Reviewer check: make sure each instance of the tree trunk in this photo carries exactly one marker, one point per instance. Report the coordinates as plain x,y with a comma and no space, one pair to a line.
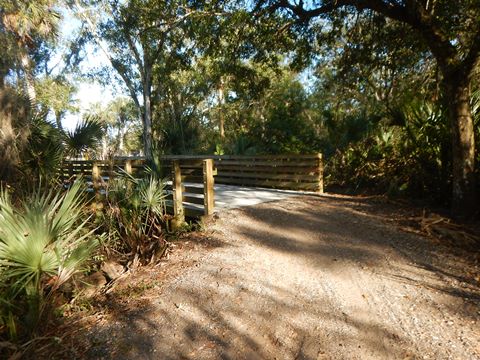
121,140
104,148
221,102
147,115
29,80
58,119
457,90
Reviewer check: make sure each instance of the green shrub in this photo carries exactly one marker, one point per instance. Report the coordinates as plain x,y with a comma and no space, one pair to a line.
133,215
412,159
44,240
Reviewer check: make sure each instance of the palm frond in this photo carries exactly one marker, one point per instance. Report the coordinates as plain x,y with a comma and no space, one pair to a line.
86,135
44,240
44,150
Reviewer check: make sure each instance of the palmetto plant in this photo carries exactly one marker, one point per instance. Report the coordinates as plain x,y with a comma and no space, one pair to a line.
475,103
85,136
413,158
31,146
43,242
135,213
43,153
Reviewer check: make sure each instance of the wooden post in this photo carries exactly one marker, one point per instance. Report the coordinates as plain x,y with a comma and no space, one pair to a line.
320,173
111,166
178,211
97,181
96,178
70,170
128,170
83,170
128,167
208,182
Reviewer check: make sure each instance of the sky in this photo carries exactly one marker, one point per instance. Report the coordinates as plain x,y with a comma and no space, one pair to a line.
88,92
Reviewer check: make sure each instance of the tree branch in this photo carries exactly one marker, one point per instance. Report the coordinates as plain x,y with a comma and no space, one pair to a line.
99,42
473,56
412,13
135,52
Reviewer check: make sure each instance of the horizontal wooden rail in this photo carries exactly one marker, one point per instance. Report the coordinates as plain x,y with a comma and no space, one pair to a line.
292,172
190,191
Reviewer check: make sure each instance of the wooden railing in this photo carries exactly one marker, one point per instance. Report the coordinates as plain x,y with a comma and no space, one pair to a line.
192,188
190,180
291,172
192,177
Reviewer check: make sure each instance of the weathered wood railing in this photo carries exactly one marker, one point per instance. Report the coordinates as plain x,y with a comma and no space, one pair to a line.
192,188
196,174
291,172
190,180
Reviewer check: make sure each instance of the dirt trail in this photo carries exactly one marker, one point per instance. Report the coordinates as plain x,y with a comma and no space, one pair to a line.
306,278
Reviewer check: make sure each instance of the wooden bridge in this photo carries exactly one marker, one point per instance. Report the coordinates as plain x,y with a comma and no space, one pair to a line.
196,184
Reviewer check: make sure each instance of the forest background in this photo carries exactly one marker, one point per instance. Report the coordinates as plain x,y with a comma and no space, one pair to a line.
363,82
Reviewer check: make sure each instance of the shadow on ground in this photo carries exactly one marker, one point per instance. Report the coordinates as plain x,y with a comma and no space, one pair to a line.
356,237
304,278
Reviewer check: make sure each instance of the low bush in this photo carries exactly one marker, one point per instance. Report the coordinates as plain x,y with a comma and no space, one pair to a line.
44,241
134,217
412,159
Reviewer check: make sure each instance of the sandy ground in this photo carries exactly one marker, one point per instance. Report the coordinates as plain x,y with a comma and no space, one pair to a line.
311,277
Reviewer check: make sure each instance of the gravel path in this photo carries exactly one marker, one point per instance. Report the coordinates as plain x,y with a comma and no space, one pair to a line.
307,278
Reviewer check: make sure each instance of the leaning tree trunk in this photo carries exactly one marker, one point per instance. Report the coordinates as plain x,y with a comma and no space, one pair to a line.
457,90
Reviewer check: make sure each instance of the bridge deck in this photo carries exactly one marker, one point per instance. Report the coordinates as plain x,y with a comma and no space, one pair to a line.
229,196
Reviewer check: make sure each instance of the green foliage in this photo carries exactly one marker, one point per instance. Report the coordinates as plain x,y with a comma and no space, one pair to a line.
243,145
133,215
84,137
44,151
24,25
411,160
121,127
33,146
280,119
180,135
44,241
288,127
56,95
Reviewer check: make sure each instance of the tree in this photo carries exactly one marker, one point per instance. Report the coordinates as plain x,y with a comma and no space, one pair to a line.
288,126
121,133
23,26
451,31
139,35
56,95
